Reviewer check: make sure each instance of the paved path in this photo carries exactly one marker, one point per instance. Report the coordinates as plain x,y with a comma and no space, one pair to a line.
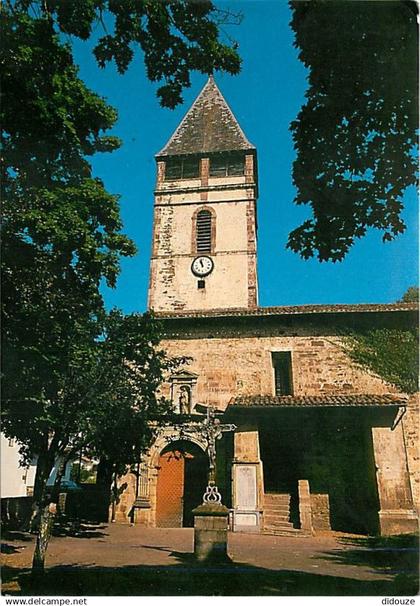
261,564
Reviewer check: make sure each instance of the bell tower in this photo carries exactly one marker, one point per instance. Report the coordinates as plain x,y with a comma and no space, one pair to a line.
204,229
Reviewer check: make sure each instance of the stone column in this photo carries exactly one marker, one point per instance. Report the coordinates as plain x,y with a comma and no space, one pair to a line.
247,485
396,515
305,509
210,532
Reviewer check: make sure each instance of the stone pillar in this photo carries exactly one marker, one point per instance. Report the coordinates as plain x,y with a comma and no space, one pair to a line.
396,515
247,485
411,429
210,532
305,509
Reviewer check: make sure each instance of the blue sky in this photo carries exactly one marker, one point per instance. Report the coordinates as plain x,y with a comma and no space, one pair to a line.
265,98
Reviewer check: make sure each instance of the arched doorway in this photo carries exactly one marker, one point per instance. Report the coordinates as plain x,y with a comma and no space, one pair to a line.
181,482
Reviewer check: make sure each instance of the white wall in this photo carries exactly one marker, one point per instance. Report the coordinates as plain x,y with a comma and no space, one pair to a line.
14,479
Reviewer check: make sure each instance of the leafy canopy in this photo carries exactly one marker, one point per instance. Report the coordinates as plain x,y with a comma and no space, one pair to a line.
74,376
411,295
391,354
61,228
104,400
175,36
61,232
356,135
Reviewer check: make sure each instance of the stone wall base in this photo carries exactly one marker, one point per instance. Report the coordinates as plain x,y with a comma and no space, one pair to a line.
246,521
398,521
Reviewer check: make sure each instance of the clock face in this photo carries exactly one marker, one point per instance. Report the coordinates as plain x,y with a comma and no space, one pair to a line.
202,266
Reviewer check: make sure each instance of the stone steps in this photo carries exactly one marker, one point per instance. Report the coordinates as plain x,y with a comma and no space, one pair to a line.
278,524
295,532
273,496
277,514
268,519
272,510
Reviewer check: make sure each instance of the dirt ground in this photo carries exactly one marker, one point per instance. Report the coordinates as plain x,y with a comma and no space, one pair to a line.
120,559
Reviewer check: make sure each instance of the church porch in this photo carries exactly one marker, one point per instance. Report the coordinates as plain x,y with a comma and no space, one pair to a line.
321,463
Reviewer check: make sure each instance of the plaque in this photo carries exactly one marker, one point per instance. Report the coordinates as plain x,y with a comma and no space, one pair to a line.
245,487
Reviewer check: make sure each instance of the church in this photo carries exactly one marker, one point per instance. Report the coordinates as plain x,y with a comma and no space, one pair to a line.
318,443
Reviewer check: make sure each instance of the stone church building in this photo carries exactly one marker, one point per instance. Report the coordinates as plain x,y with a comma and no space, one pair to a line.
319,444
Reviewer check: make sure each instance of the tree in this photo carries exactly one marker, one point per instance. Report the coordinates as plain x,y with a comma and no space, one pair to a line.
411,295
104,404
355,137
391,354
175,37
61,228
61,232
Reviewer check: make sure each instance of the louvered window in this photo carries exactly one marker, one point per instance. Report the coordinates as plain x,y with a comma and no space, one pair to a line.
282,364
227,165
203,231
182,168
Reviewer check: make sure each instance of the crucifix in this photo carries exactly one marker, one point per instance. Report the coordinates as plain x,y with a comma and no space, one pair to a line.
211,430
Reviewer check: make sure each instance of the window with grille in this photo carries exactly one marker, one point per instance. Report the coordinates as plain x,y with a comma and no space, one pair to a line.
227,165
282,365
182,168
203,231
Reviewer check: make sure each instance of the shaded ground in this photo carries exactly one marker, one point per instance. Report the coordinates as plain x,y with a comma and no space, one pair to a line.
123,560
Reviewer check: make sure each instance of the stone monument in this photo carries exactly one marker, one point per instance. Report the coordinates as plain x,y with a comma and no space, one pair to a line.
211,517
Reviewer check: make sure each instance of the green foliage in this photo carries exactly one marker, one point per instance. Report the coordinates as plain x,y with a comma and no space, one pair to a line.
103,400
81,474
175,37
411,295
355,137
74,376
61,228
391,354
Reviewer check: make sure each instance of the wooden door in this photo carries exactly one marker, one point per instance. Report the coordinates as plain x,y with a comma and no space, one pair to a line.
170,490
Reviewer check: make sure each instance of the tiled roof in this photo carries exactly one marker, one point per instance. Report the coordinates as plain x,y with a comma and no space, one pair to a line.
209,126
315,401
291,310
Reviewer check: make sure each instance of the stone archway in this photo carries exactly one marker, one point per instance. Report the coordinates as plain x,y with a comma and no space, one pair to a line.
181,481
149,473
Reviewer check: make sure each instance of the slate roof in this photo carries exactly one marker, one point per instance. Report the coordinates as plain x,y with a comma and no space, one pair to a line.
290,310
364,400
209,126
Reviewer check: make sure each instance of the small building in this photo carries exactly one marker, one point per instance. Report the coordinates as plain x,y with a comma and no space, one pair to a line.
319,444
16,480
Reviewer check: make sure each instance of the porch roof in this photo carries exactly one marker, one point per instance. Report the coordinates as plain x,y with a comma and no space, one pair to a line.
364,400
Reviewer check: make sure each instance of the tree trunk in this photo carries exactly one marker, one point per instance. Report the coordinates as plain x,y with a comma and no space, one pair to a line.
44,533
104,483
45,505
44,466
114,497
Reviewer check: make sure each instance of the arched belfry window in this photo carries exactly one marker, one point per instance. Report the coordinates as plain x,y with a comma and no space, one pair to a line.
203,231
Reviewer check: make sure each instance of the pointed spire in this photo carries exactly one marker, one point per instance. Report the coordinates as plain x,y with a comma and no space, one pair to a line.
209,126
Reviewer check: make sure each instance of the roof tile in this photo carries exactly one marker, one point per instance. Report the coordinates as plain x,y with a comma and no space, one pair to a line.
340,400
288,310
209,126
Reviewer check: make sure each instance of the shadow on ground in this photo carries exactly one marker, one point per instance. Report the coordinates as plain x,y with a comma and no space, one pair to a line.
82,529
396,555
186,577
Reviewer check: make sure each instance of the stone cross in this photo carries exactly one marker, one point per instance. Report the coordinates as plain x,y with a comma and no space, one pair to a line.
211,430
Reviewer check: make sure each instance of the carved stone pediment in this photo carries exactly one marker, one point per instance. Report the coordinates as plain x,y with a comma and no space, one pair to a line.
183,384
184,375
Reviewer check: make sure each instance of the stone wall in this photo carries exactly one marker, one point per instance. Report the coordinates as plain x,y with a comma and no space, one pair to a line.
228,367
410,423
320,507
